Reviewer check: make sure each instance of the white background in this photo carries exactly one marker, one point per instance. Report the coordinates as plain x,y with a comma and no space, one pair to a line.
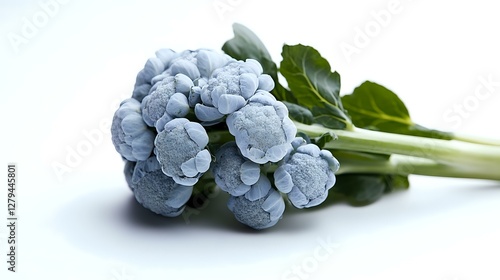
63,79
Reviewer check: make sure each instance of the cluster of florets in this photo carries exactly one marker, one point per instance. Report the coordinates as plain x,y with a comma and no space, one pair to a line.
162,132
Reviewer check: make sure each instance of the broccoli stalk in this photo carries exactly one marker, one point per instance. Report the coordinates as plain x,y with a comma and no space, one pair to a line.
412,154
406,165
475,139
405,154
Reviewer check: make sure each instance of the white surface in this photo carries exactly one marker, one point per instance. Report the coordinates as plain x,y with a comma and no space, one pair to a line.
69,77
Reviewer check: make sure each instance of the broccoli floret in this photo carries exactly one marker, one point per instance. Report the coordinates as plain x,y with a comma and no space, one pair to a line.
262,129
306,174
158,192
208,61
153,67
229,87
168,100
180,149
207,114
130,135
232,172
261,207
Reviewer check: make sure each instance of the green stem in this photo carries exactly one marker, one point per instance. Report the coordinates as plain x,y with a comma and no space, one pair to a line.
408,154
220,136
476,139
442,151
406,165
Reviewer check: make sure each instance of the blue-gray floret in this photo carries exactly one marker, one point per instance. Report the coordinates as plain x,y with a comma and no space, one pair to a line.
168,100
131,137
234,173
306,174
261,207
262,128
208,61
229,87
158,192
153,67
180,149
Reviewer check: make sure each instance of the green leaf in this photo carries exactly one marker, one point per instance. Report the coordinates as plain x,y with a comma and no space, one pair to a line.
280,92
246,44
323,139
364,189
304,136
330,116
375,107
396,182
313,84
360,189
299,113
